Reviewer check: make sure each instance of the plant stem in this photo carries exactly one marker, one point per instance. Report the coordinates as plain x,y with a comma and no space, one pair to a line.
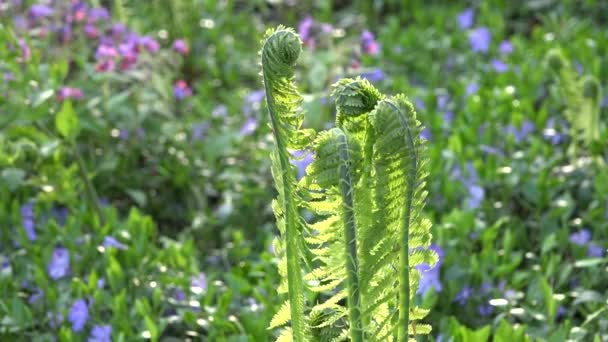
404,266
350,237
294,275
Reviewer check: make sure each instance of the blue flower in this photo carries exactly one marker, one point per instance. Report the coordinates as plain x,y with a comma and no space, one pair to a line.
78,315
551,134
426,134
472,88
465,18
480,39
109,241
465,293
429,277
101,333
199,283
485,310
59,265
27,220
499,66
250,126
301,160
581,237
505,47
375,75
40,11
199,130
520,134
595,251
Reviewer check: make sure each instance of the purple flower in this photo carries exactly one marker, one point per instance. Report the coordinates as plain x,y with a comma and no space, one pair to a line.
485,310
480,39
105,66
27,220
69,93
465,18
109,241
465,293
551,134
472,88
54,319
305,30
430,276
78,315
255,97
101,333
520,134
505,47
118,29
181,89
199,130
149,44
490,150
448,116
595,251
476,192
180,46
419,104
368,43
98,13
442,101
91,31
301,160
40,11
375,75
219,111
199,283
36,295
426,134
581,237
250,126
101,282
499,66
79,11
59,265
105,51
26,54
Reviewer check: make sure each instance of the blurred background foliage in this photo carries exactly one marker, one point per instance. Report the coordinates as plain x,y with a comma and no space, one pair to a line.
134,169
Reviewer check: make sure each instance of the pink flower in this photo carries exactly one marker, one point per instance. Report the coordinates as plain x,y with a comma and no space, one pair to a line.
25,50
105,65
180,46
69,93
149,44
91,31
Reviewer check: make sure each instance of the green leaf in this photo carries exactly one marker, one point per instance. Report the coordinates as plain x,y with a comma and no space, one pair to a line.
66,121
13,178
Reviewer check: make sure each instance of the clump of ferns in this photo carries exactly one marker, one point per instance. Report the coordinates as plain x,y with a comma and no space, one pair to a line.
349,273
581,97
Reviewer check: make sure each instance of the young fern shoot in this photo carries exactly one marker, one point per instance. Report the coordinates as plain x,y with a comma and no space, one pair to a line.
281,49
365,190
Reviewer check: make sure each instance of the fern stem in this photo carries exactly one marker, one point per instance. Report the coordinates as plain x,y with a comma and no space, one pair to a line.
350,237
294,276
404,267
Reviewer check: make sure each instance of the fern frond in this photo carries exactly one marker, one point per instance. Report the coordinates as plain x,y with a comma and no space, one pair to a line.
581,98
280,51
399,236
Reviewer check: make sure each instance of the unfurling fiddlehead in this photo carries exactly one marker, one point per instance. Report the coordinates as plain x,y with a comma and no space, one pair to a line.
279,53
365,190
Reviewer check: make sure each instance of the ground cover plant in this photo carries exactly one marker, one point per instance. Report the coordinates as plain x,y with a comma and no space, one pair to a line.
135,172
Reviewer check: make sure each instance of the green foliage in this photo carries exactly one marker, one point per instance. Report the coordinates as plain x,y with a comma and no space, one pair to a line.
365,189
581,96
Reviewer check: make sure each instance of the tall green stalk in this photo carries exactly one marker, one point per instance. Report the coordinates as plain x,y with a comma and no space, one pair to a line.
350,237
404,265
279,53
